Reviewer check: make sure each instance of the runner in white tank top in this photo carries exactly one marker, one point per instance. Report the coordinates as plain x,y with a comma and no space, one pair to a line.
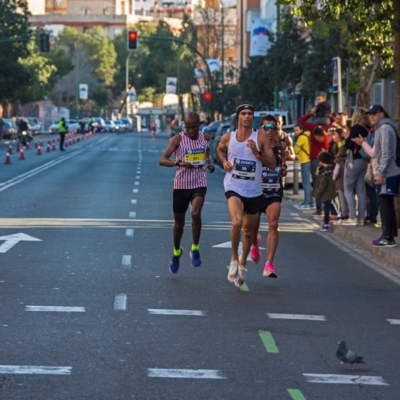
242,154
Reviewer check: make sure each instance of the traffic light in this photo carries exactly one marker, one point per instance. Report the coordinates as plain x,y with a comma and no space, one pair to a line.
44,42
132,40
207,96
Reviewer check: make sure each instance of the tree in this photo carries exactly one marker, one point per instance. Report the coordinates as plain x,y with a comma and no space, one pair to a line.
14,24
370,28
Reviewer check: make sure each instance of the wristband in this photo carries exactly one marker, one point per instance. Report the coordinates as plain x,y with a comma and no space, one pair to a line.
284,165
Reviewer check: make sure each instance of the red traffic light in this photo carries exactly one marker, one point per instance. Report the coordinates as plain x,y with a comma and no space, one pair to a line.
207,96
132,40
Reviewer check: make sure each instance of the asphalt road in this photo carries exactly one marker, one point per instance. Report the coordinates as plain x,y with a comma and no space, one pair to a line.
89,309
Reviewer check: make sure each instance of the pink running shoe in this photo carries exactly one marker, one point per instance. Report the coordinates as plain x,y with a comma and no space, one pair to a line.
255,253
269,270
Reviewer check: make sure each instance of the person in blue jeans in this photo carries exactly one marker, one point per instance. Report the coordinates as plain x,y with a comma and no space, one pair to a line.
302,151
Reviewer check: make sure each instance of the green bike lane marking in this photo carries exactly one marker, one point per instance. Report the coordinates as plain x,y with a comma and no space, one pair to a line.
296,394
268,341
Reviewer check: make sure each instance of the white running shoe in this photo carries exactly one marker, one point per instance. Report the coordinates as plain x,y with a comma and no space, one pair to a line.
233,270
239,280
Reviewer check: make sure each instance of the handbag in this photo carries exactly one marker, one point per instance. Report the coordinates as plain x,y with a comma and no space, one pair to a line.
369,176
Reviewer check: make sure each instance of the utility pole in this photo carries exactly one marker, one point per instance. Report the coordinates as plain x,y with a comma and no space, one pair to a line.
276,89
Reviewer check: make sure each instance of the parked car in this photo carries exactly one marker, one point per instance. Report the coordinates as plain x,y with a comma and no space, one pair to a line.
72,126
119,126
9,130
34,124
127,124
100,124
110,126
212,128
222,129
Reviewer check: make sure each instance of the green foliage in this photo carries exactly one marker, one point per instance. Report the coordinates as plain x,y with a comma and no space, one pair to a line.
256,85
14,24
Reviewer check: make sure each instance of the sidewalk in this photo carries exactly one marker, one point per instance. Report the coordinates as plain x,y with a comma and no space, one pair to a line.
360,236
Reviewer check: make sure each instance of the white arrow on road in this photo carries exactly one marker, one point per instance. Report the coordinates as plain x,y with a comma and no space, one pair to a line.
12,240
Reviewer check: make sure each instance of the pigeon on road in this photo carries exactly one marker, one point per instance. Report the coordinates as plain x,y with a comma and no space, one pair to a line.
347,356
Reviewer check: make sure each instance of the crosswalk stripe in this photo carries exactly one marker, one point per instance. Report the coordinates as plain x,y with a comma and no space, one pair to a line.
346,379
297,317
34,369
176,312
185,373
126,261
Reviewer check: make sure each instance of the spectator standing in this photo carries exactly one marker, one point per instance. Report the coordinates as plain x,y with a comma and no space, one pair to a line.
387,173
355,169
284,137
324,188
302,151
318,143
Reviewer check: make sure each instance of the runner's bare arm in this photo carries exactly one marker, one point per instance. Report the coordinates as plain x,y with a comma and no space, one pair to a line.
210,167
222,151
284,166
173,144
267,155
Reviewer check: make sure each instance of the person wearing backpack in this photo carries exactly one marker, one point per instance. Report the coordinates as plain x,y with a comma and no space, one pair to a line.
387,172
302,151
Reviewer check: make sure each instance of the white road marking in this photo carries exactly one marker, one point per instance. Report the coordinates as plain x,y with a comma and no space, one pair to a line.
346,379
176,312
120,302
298,317
133,201
294,214
129,232
185,373
55,309
34,369
12,240
136,183
135,190
394,321
132,214
126,261
137,177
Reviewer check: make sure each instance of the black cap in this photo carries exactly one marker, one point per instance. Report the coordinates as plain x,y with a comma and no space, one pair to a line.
244,106
375,109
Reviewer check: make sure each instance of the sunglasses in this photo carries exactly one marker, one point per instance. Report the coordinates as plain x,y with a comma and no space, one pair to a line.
270,126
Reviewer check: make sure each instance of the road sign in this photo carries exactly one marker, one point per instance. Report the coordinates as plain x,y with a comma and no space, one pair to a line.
83,91
132,96
337,75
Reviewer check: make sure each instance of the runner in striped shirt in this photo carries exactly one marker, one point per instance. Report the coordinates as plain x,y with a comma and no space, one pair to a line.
190,150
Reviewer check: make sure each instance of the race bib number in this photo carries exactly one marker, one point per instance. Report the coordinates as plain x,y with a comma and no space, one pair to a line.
270,179
196,157
244,169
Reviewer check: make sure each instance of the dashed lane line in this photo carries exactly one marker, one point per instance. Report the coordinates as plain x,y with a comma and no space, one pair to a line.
129,232
34,370
394,321
197,313
126,261
346,379
120,302
54,309
185,373
297,317
132,214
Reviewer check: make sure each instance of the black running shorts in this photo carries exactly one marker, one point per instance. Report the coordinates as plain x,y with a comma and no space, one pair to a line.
181,198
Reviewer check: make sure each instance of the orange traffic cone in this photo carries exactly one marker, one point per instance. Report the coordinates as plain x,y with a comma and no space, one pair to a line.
8,158
21,154
27,146
53,148
48,149
17,148
10,150
39,151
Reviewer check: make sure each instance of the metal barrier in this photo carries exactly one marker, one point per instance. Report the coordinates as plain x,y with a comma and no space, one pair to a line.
296,169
